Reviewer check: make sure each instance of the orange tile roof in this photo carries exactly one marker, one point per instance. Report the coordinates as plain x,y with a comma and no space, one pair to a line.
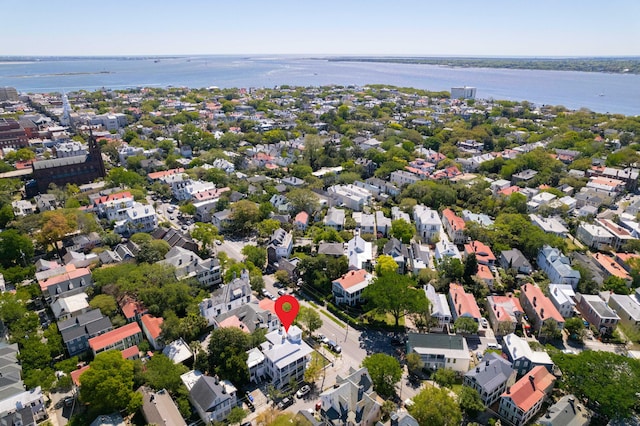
510,190
484,273
626,257
233,321
152,324
110,337
74,273
268,305
457,223
131,352
130,307
504,307
112,197
464,303
483,252
542,302
75,375
530,389
302,217
352,278
611,266
158,175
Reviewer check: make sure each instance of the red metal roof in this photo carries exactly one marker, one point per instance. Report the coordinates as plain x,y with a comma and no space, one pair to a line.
531,388
464,303
531,291
152,324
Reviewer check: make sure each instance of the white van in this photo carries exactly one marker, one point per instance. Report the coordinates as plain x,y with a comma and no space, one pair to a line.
493,346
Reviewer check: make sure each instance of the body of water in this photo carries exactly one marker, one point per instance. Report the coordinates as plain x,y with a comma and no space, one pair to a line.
612,93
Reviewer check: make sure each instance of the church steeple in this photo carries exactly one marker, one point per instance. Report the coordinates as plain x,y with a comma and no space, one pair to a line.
95,153
65,119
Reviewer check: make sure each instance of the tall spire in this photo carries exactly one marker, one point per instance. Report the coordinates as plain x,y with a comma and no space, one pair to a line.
65,119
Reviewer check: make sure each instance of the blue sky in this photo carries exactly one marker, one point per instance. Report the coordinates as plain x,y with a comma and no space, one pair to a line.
372,27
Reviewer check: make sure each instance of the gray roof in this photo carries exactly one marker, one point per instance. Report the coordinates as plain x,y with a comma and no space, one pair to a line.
491,372
250,314
566,412
432,340
205,392
331,249
59,162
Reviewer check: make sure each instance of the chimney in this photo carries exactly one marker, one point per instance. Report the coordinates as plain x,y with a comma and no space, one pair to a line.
535,301
477,369
487,363
542,313
572,403
508,390
532,380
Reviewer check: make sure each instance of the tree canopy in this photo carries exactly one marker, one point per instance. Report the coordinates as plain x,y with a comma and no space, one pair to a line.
385,372
108,385
435,407
395,294
609,380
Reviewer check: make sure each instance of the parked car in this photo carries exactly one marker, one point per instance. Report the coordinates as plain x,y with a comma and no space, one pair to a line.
484,323
282,292
334,346
322,338
303,391
287,402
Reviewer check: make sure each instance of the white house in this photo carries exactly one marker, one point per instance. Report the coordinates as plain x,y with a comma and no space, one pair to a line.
226,298
428,224
365,222
334,218
563,298
212,398
286,356
138,218
594,236
440,350
350,196
439,307
348,288
359,252
557,266
352,397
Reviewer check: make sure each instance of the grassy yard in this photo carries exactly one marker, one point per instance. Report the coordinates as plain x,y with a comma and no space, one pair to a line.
388,319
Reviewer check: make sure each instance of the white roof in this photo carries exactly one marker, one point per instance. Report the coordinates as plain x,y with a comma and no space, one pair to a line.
177,351
562,293
517,347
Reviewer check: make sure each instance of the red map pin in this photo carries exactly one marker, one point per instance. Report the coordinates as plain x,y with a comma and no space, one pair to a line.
287,308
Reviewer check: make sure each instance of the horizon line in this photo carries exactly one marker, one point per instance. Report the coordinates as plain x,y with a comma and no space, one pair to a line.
328,55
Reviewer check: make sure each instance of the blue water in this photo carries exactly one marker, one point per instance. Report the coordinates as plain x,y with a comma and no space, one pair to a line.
613,93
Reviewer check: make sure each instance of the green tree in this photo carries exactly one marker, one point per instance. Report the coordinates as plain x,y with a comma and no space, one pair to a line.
188,209
396,295
385,265
310,319
302,199
385,372
435,407
266,227
575,328
56,225
106,303
465,325
414,362
615,284
15,248
609,380
445,377
470,401
244,216
161,373
255,255
451,268
206,233
152,251
108,385
315,367
228,356
119,176
550,330
6,215
403,230
470,267
236,415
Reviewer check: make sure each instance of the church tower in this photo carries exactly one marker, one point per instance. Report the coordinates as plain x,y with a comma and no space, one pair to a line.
65,119
95,155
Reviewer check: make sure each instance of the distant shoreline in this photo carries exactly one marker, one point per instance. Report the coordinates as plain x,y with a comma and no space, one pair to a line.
598,65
